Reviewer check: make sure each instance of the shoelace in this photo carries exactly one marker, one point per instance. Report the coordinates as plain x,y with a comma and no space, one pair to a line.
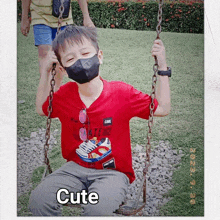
87,146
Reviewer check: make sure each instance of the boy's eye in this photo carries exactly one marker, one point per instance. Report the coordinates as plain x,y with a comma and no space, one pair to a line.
70,59
84,54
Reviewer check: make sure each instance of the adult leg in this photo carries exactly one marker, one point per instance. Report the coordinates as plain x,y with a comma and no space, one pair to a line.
111,187
43,37
43,199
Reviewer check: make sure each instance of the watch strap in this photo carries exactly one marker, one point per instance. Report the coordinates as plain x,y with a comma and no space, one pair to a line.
165,72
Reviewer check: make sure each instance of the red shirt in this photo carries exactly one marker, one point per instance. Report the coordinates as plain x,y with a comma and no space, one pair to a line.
108,124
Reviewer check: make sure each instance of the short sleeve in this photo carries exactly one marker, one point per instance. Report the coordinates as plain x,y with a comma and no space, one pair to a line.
58,100
140,104
55,106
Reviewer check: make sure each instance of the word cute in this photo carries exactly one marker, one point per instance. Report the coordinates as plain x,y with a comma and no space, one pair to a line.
79,198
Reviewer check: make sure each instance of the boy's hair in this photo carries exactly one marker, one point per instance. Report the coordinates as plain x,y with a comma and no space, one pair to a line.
73,34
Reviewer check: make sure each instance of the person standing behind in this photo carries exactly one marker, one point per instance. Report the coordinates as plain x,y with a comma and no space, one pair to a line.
45,25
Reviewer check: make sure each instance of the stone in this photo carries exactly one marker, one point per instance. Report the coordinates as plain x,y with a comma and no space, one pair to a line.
33,134
138,148
21,101
135,159
142,156
174,152
168,155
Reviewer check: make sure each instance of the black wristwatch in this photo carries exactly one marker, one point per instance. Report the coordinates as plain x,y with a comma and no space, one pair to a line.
165,73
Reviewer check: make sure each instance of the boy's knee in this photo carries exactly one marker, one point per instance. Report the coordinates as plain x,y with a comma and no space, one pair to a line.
41,204
37,199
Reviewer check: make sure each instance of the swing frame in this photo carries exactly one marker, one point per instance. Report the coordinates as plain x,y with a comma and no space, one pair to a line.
130,207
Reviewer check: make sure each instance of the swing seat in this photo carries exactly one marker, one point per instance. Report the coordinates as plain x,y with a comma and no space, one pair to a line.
128,208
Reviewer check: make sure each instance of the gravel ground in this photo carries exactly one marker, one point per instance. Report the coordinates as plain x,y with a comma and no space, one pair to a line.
163,161
30,155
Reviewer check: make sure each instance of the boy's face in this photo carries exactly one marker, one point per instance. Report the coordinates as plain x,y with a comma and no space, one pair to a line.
73,52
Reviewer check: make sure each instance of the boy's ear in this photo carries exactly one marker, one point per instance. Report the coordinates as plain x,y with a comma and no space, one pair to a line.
100,56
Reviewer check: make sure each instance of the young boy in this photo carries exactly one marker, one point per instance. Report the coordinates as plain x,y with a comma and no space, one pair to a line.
94,114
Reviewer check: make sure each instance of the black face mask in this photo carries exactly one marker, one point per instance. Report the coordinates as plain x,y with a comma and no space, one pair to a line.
84,70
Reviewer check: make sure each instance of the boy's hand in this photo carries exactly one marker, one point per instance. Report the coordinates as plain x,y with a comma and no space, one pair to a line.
158,50
60,71
51,58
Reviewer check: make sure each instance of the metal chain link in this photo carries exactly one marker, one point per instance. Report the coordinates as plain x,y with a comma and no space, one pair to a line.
50,108
159,19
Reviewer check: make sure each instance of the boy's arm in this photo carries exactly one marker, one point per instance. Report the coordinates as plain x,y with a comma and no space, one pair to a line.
44,86
162,87
25,22
86,18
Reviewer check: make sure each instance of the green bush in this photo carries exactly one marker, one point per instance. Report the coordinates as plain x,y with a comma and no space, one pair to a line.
183,18
177,17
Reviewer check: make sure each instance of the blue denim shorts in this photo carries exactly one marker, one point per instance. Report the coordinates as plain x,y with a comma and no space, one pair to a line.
44,34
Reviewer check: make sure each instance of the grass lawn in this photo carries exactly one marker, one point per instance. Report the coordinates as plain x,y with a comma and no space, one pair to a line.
127,57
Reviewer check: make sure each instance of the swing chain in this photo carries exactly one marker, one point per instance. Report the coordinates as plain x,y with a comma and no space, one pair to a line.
152,105
159,19
50,108
60,18
154,80
135,208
